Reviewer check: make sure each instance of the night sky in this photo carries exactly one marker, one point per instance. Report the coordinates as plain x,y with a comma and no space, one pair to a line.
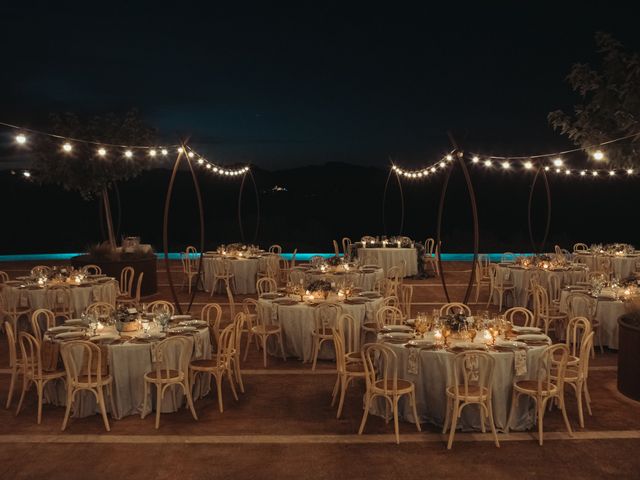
282,87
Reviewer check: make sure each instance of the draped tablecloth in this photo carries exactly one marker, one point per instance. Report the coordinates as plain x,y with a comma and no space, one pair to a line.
390,257
622,266
607,313
82,296
359,278
298,321
128,362
435,373
520,277
245,271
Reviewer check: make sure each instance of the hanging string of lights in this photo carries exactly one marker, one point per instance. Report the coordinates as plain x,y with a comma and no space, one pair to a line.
104,149
429,170
550,162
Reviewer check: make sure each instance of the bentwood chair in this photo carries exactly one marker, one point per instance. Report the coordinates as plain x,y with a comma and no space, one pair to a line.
381,376
548,385
190,260
92,270
453,308
135,299
100,310
40,270
482,274
240,326
336,248
578,328
500,286
277,249
250,310
472,385
219,366
263,330
169,374
520,316
161,306
223,274
11,309
266,285
406,296
430,259
126,282
42,318
4,277
543,311
58,298
33,371
16,363
212,314
581,304
327,314
347,370
86,371
388,314
346,247
296,277
580,247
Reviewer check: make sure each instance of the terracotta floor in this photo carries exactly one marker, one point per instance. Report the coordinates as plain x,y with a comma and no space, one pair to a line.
284,427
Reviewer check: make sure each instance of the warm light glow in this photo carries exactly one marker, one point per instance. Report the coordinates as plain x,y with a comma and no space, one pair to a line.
594,173
630,171
67,147
442,164
557,162
215,169
128,153
475,159
528,165
505,165
102,152
598,155
433,169
21,139
191,154
567,172
583,172
208,165
449,158
558,170
201,161
26,173
164,151
487,163
612,173
152,153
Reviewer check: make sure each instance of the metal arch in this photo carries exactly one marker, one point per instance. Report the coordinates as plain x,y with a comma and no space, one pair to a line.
165,227
255,189
540,248
102,215
476,230
384,202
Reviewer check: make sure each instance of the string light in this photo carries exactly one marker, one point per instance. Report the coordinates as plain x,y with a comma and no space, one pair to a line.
567,172
21,139
152,153
201,161
630,171
583,173
505,165
67,147
102,152
612,173
449,157
26,174
128,154
528,165
475,159
547,168
557,162
164,152
598,155
190,154
594,173
487,163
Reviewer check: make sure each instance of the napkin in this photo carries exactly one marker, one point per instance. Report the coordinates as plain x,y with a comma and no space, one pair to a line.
520,362
413,362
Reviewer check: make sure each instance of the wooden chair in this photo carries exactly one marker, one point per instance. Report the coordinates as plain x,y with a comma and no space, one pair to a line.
134,300
347,369
385,383
190,260
250,310
430,259
327,314
336,248
239,327
41,317
578,328
12,311
277,249
346,247
453,308
472,385
33,371
223,274
543,312
83,364
212,314
296,277
393,281
263,330
406,295
16,363
580,247
161,306
92,269
58,298
168,375
219,366
4,277
508,257
515,313
555,290
500,286
482,274
581,304
100,310
388,315
266,285
546,387
270,268
126,282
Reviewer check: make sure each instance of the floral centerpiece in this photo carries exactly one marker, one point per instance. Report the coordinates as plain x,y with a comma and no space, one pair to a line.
456,322
334,261
320,287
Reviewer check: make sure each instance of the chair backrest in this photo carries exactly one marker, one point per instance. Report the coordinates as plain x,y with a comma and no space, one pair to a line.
173,353
580,247
603,264
31,356
270,266
126,280
226,346
472,370
266,285
389,315
534,280
221,267
577,330
597,275
380,366
293,258
497,277
4,277
297,277
100,309
40,270
11,343
520,316
161,306
336,248
558,252
346,246
82,362
92,269
581,305
250,306
212,314
391,301
555,286
189,260
585,355
453,308
406,295
556,356
137,294
429,244
326,317
540,303
58,298
339,345
508,257
277,249
42,318
239,321
349,329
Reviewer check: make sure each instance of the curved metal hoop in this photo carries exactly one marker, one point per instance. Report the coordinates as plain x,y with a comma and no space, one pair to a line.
165,228
539,248
476,230
102,218
255,190
384,202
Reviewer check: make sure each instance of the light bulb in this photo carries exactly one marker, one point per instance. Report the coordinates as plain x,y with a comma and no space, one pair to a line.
557,162
164,151
442,164
433,169
26,173
583,173
630,171
598,155
567,172
547,168
594,173
102,152
449,158
152,153
128,153
191,154
612,173
208,165
475,159
487,163
528,165
505,165
21,139
67,147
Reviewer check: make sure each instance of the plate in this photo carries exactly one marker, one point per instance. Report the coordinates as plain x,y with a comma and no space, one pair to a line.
397,328
421,343
13,283
370,294
398,335
540,337
182,329
285,301
193,323
523,330
75,322
356,300
271,295
68,335
63,328
180,318
105,337
510,344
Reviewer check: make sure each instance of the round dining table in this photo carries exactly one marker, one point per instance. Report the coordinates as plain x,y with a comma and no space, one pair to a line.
431,371
622,266
128,360
387,257
297,320
364,278
245,271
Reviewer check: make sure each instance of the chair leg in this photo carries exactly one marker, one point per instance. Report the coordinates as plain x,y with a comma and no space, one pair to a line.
284,356
103,409
514,403
264,350
396,426
40,391
189,395
219,387
412,397
314,353
578,390
541,404
112,401
143,413
238,373
564,415
587,397
492,423
25,387
336,388
14,375
447,417
67,411
246,348
343,393
454,422
232,384
367,404
158,404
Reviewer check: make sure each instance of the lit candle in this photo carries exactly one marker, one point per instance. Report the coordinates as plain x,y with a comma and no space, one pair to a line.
437,336
486,336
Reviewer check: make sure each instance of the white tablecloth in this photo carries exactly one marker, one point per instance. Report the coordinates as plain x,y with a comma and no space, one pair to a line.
435,373
298,322
390,257
365,280
622,266
81,296
245,271
128,363
520,278
607,313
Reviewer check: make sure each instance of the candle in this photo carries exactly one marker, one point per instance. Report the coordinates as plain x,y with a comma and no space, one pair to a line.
437,336
486,336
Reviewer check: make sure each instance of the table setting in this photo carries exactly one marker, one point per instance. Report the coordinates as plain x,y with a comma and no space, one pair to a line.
338,271
623,258
426,346
33,291
388,252
127,339
246,262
